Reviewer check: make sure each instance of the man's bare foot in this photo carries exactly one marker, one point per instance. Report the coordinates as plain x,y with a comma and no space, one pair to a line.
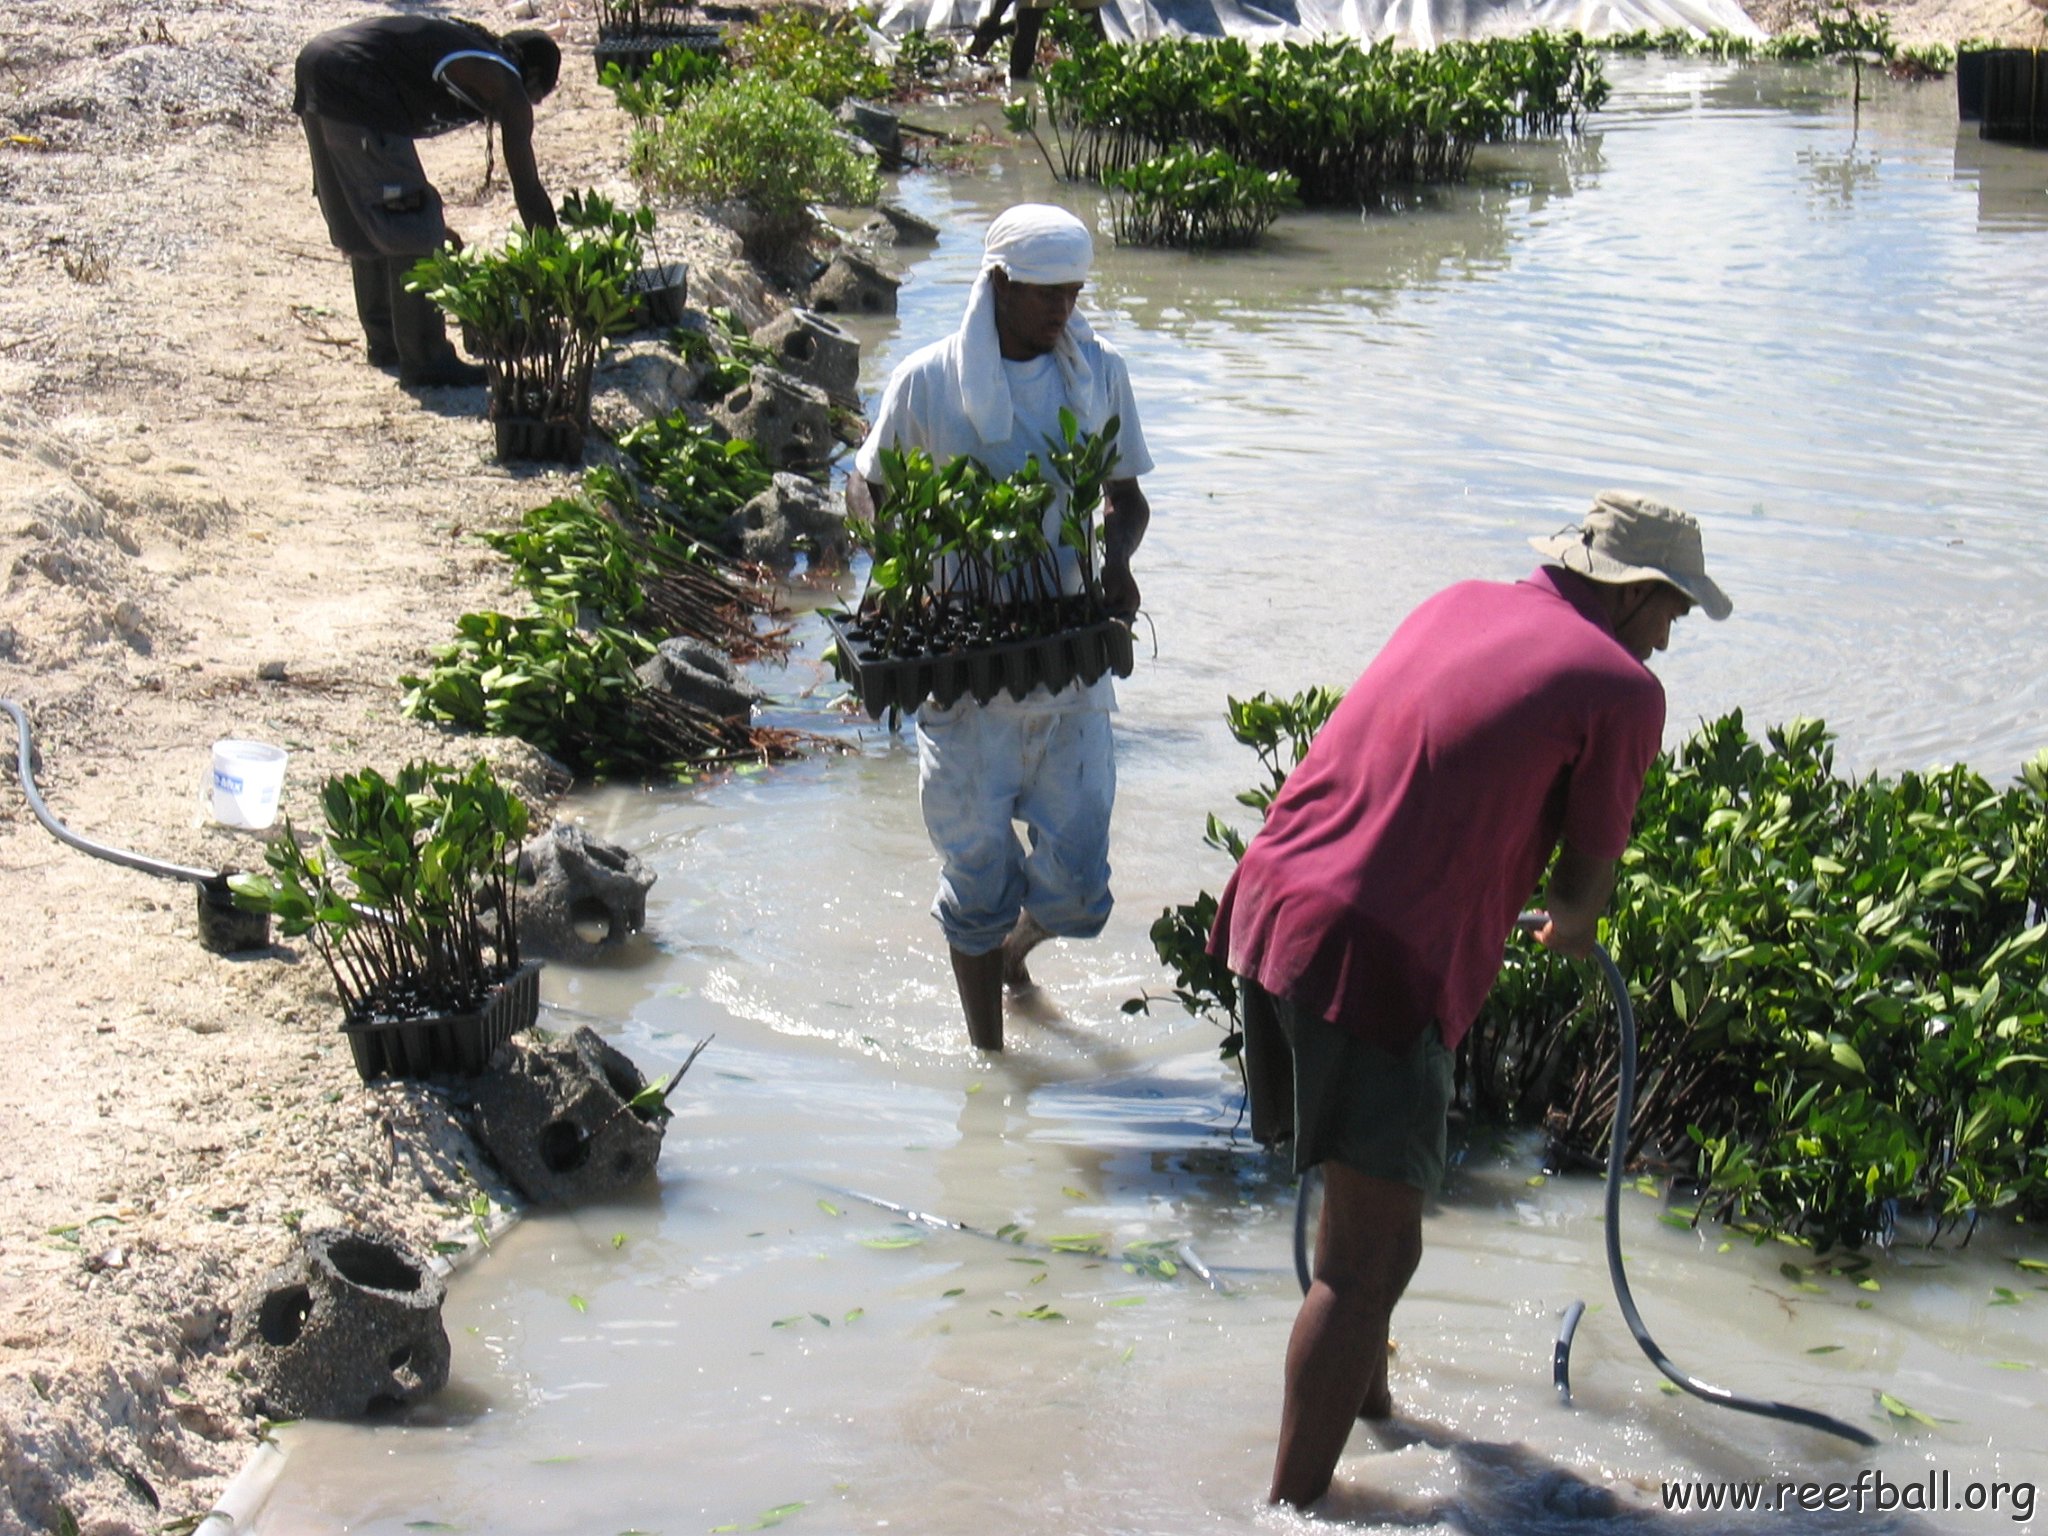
1024,938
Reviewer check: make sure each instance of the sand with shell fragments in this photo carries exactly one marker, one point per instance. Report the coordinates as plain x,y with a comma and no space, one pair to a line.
215,521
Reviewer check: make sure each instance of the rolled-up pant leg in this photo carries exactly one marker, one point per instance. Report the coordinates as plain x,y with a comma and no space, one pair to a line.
970,775
980,771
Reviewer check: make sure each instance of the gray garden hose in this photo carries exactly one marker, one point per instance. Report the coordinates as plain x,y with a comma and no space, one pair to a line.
1617,1143
222,926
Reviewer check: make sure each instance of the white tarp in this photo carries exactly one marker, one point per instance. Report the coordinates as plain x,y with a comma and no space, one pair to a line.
1415,23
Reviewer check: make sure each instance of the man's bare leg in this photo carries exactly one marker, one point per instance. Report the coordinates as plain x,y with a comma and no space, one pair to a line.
1023,939
1367,1247
980,979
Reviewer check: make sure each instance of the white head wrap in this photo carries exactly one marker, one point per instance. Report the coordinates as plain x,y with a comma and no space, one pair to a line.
1032,243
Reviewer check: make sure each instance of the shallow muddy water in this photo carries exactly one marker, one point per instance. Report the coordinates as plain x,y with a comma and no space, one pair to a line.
1821,336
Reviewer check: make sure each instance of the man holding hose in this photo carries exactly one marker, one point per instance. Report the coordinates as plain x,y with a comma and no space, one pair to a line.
1367,920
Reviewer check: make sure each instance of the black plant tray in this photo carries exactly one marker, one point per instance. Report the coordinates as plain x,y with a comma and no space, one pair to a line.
1071,656
452,1045
530,438
634,51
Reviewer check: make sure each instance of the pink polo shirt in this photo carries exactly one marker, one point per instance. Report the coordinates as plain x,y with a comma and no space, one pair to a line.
1383,887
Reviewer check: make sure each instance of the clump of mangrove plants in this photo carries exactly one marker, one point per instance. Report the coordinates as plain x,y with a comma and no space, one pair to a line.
1841,985
692,478
1844,32
822,54
541,308
610,579
1193,201
413,902
760,143
1344,119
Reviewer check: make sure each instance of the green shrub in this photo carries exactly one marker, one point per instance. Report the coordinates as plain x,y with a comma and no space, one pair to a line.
671,78
922,60
758,142
825,57
1197,201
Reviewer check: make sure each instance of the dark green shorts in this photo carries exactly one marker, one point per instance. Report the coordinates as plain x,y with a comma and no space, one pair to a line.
1335,1097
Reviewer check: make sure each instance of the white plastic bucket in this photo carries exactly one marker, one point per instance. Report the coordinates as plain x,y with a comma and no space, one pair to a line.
247,777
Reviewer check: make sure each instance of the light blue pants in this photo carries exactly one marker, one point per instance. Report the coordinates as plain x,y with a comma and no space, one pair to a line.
981,770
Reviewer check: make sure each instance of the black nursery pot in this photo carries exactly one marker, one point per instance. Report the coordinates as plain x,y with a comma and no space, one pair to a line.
1071,656
660,295
450,1045
634,51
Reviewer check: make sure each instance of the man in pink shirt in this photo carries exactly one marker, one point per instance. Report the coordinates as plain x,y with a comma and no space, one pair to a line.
1368,917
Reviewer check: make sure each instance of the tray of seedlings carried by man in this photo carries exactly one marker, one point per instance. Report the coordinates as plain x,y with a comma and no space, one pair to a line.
967,595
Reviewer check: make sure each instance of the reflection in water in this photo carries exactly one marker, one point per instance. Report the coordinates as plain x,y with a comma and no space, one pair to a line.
1713,298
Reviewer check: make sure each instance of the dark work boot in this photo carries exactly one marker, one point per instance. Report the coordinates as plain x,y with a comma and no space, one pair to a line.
424,357
373,308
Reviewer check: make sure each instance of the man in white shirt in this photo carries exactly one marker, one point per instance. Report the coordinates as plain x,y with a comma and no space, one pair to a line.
993,390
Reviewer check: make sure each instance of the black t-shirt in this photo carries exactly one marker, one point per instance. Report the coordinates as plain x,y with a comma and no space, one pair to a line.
383,74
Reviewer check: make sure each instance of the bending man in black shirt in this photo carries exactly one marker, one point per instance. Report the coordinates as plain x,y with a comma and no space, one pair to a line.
365,92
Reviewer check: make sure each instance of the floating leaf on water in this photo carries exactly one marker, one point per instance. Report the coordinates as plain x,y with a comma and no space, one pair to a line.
855,1315
762,1521
784,1322
1824,1349
1868,1284
1081,1242
958,1290
1128,1301
1019,1259
904,1240
1792,1272
976,1087
1724,1247
1125,1357
1865,1305
1899,1410
2011,1365
1667,1389
578,1302
1072,1193
828,1207
2039,1266
2002,1297
1536,1180
1012,1231
556,1461
618,1239
823,1320
1043,1313
1038,1279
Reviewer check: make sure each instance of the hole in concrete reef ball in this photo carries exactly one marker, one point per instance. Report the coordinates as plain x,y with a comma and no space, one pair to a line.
563,1146
282,1317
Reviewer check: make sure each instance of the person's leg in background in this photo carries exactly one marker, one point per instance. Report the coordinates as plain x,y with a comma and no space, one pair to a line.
384,215
969,762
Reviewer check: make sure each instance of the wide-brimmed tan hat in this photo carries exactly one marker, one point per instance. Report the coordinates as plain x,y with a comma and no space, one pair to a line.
1627,538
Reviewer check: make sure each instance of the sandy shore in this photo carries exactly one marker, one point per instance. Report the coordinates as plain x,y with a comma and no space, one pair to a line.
216,521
